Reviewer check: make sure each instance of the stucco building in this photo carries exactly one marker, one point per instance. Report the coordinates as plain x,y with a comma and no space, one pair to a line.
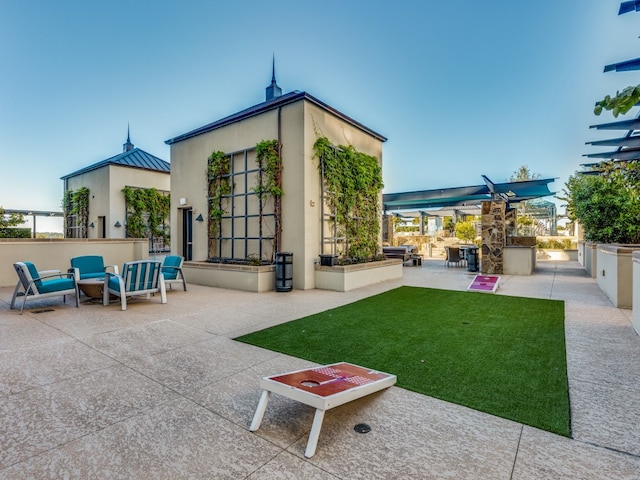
295,120
106,213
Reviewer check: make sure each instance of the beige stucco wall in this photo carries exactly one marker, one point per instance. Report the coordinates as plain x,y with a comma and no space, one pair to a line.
55,254
105,194
301,124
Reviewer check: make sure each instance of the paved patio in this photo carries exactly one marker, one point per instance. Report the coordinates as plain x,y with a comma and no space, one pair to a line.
162,391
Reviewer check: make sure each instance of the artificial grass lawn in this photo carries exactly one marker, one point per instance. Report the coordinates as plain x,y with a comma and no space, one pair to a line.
497,354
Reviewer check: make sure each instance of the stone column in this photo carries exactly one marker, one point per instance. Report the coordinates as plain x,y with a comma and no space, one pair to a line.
493,236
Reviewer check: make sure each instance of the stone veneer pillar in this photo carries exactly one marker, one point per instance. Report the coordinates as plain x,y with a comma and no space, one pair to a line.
493,236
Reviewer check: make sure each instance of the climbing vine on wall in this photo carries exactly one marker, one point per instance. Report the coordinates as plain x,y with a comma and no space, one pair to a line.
147,213
76,212
352,184
218,170
270,183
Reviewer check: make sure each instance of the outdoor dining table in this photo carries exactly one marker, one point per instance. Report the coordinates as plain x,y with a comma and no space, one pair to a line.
323,388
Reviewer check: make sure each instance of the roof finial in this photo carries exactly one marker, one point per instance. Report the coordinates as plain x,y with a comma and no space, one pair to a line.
273,90
127,146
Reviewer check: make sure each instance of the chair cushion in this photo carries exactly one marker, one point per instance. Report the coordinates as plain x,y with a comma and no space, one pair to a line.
88,264
56,285
171,261
33,271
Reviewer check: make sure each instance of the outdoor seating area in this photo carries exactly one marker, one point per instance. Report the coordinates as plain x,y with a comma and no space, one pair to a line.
165,392
88,275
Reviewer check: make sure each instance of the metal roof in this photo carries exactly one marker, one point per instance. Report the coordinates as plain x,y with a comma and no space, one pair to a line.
513,192
280,101
134,158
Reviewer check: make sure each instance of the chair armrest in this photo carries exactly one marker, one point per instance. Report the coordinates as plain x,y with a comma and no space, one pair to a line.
75,271
53,273
48,272
114,267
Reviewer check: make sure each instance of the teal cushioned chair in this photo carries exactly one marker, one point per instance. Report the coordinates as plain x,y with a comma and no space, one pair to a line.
142,277
90,266
34,285
172,270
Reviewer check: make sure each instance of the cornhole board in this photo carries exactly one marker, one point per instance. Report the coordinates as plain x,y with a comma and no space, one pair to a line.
322,388
484,283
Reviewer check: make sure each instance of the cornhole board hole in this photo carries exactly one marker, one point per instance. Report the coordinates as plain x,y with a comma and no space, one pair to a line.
322,388
484,283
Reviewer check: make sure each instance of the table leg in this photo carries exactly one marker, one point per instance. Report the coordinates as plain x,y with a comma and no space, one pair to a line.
262,406
312,443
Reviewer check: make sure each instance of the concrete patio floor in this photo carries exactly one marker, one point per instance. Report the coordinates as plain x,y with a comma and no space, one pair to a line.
162,391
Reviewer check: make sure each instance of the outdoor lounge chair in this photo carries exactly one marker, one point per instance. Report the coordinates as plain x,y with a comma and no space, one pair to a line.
34,285
90,266
142,277
172,271
453,256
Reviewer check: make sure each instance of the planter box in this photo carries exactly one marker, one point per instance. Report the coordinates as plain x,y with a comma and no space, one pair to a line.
236,277
349,277
519,260
635,318
615,273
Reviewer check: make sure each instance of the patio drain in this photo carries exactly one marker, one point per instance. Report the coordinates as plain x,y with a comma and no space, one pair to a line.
44,311
362,428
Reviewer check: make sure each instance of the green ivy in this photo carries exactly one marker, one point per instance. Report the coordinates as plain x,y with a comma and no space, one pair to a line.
353,181
621,103
218,170
76,203
151,203
270,183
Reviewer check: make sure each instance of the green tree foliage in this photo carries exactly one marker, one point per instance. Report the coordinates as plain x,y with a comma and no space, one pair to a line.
523,174
621,103
10,220
607,204
466,231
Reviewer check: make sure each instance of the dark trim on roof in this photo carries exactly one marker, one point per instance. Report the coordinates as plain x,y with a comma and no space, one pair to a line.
263,107
617,142
624,154
134,158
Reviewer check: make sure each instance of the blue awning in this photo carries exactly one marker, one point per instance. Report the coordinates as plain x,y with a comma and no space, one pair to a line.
630,6
633,124
624,154
625,66
617,142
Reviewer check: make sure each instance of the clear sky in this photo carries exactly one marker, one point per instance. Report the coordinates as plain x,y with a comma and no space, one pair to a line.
460,88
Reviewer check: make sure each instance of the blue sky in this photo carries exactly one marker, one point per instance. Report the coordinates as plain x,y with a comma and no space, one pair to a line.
460,88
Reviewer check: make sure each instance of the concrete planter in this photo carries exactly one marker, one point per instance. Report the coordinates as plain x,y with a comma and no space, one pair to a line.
236,277
342,278
519,260
615,273
635,319
591,258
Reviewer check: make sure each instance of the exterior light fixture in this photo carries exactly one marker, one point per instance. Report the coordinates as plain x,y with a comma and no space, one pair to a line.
91,225
199,218
117,224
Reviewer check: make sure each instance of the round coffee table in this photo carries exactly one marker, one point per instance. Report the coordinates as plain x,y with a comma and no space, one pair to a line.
92,287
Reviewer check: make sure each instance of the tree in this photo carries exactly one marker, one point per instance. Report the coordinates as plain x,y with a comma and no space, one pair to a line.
10,220
523,174
607,204
466,231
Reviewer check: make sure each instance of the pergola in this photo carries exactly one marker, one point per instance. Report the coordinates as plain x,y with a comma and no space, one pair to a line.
34,214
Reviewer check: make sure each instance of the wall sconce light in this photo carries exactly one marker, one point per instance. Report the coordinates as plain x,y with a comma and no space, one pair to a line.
183,201
199,218
117,224
91,225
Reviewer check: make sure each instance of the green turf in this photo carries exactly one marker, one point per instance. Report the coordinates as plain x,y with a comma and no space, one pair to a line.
497,354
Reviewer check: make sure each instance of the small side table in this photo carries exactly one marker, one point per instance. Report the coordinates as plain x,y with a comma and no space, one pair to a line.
417,260
92,287
322,388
